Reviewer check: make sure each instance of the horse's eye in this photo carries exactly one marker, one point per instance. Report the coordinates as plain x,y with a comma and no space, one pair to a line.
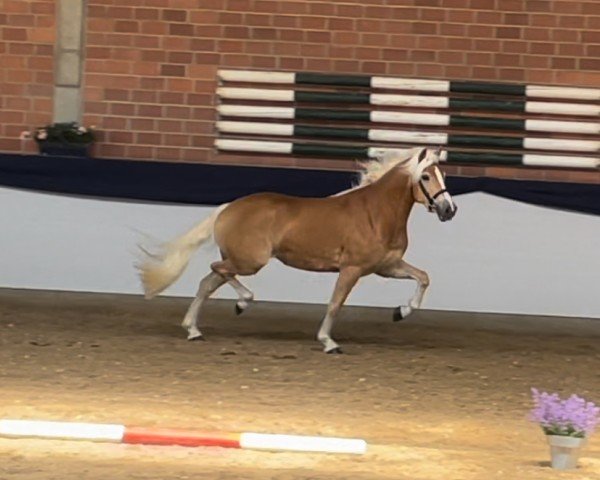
425,177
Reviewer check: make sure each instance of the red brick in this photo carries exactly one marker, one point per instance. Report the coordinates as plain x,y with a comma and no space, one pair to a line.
260,47
516,19
340,24
592,64
320,64
171,15
263,33
207,58
292,7
252,19
421,27
561,35
432,14
236,32
322,8
480,31
144,96
180,57
542,48
508,32
146,13
591,37
21,48
42,7
291,63
181,29
14,34
450,57
180,85
201,44
119,12
535,61
152,111
539,5
229,18
263,62
571,49
453,29
292,35
285,21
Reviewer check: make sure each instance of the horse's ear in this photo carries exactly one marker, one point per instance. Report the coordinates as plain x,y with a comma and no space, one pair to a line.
422,154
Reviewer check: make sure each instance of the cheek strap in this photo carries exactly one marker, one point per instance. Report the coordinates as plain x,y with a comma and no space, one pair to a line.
430,199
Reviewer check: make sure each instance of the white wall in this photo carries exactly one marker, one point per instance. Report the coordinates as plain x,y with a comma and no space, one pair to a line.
495,256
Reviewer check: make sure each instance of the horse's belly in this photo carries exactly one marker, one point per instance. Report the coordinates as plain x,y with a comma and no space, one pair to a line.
308,263
306,256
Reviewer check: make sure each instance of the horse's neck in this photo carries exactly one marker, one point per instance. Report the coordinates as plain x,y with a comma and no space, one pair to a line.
390,201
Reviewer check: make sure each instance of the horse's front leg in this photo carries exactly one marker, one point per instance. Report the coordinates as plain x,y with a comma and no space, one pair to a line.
345,282
402,269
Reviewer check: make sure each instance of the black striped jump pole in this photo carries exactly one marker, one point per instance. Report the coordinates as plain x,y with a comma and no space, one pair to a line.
418,101
407,136
362,153
395,83
409,118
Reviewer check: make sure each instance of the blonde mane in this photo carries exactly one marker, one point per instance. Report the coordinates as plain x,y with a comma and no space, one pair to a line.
374,169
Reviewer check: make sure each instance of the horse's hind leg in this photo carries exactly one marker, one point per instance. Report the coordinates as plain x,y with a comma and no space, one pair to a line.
208,285
245,295
228,270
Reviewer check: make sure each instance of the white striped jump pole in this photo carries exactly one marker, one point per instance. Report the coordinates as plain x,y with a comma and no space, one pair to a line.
188,438
418,84
408,118
406,136
418,101
360,153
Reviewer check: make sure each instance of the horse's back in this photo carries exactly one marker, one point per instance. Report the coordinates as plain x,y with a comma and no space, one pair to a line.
270,215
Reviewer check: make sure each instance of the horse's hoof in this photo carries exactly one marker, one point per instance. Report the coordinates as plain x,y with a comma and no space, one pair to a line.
400,313
334,351
196,338
238,310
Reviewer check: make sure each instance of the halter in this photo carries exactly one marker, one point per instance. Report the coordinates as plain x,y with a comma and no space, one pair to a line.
430,199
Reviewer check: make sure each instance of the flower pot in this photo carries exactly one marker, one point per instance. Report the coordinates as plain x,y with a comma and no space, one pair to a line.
65,149
564,451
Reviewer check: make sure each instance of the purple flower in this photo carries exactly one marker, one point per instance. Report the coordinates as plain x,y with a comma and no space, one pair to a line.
573,417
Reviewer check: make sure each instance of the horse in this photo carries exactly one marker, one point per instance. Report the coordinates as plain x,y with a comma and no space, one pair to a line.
358,232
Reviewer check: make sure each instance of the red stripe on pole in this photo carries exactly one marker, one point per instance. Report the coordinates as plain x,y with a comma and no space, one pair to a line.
186,438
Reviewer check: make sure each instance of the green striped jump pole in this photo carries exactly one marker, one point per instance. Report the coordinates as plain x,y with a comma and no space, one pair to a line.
361,153
408,118
395,83
407,136
418,101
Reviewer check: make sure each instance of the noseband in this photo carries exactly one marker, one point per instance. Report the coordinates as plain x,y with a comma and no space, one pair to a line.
430,199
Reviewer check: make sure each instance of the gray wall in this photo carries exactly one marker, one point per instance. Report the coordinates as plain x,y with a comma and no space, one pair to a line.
495,256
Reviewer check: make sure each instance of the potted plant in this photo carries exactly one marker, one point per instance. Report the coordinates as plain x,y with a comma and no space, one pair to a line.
567,423
68,139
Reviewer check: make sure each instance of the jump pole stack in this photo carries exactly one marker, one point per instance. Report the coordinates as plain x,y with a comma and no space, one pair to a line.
115,433
520,109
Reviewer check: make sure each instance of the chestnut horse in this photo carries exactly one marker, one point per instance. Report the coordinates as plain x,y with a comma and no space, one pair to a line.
356,233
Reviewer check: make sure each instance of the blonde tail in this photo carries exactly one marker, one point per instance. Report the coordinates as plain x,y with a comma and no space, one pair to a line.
159,270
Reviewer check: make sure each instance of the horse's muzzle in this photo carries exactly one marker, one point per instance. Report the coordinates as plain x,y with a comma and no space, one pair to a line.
446,211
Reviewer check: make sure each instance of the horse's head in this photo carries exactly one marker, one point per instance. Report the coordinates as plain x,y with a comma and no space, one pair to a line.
428,184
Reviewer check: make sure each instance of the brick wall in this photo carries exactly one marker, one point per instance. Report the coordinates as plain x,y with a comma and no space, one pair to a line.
151,64
27,35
